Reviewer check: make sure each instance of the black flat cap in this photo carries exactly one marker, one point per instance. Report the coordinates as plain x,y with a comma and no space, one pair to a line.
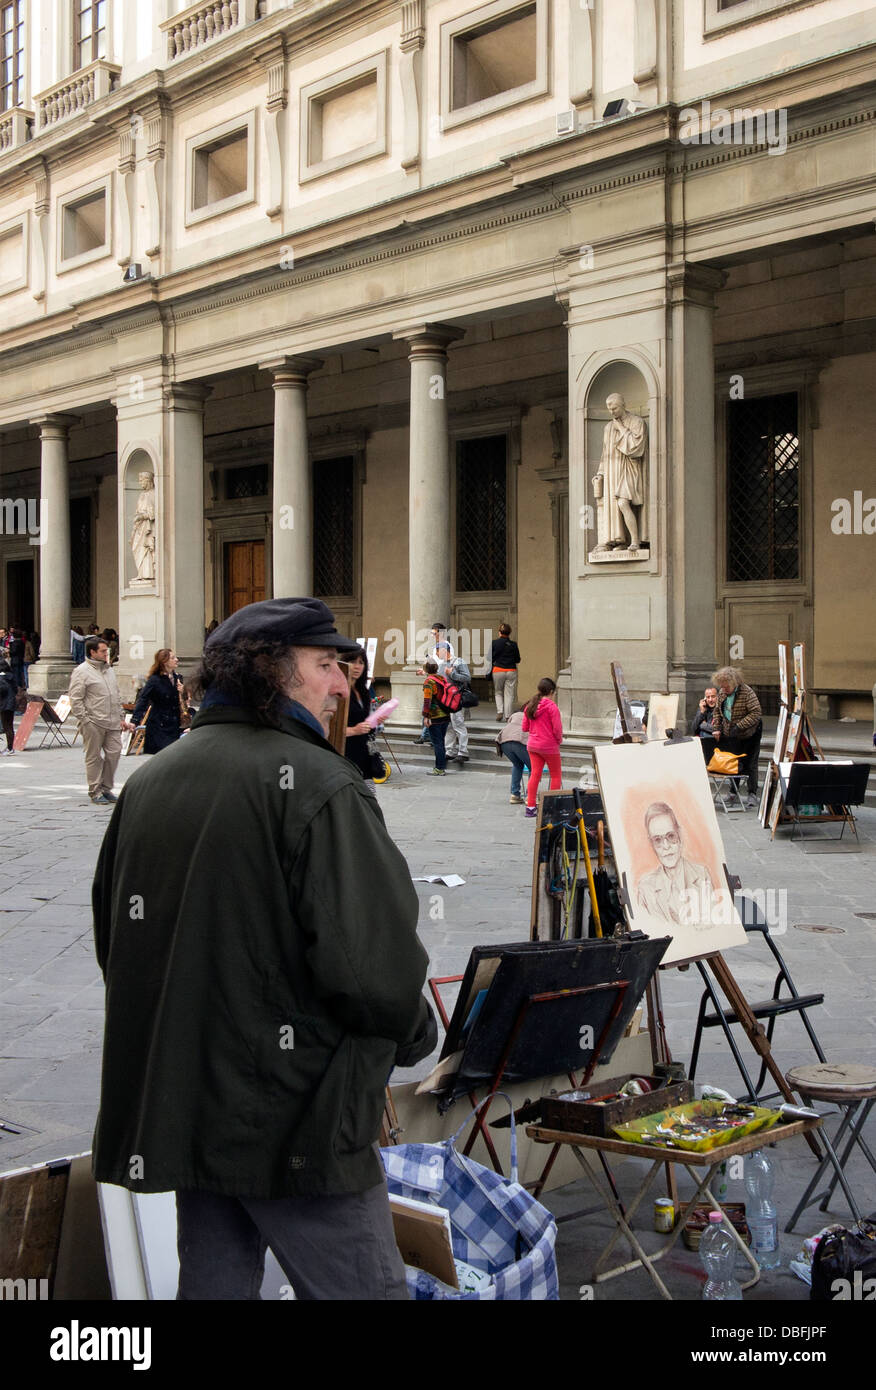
302,622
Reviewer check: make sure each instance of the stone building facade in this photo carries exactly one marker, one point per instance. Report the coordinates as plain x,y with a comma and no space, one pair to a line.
330,297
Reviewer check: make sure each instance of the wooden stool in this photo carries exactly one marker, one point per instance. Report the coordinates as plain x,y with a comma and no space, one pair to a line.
853,1087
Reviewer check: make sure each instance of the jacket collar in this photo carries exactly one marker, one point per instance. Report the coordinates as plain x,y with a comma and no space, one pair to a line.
236,714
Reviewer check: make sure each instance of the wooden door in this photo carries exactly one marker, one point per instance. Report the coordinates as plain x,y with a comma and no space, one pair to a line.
244,574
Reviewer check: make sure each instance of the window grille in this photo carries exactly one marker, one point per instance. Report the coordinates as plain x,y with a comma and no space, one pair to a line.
763,489
333,528
12,41
251,481
482,514
80,552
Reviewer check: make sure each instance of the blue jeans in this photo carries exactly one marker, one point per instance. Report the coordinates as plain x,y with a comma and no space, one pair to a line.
517,756
438,733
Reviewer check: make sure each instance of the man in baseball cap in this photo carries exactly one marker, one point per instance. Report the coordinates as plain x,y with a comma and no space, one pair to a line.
256,927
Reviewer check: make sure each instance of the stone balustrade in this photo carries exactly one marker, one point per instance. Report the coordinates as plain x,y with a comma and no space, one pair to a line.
197,25
76,92
15,128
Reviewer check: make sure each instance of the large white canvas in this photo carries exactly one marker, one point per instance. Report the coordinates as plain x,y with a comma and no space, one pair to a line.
673,866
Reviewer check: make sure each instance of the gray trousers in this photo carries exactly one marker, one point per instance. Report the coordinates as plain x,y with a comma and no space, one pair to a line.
103,748
328,1247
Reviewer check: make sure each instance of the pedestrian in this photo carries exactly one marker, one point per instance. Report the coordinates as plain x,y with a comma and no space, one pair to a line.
456,671
504,660
703,725
544,724
441,652
29,657
77,644
739,724
162,695
97,707
15,656
511,742
360,734
8,697
435,716
256,927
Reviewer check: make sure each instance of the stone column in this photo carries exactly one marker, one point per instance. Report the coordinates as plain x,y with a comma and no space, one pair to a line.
182,537
292,485
51,674
692,483
429,529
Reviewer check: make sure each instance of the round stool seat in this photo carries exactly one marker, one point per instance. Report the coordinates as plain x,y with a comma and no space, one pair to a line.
835,1081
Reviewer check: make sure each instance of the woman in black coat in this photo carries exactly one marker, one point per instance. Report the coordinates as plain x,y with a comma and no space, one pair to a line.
8,696
161,695
358,732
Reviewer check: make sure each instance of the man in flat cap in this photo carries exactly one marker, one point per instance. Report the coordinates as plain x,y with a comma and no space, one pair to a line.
256,927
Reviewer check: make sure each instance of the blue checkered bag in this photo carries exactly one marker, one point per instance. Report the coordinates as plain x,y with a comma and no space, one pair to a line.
496,1225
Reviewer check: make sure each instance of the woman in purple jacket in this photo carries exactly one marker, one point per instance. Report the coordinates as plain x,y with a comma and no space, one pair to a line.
544,724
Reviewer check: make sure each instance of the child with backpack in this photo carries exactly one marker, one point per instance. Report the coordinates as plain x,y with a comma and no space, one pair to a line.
543,722
437,695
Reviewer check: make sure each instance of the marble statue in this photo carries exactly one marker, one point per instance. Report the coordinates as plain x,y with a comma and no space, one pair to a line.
143,531
619,486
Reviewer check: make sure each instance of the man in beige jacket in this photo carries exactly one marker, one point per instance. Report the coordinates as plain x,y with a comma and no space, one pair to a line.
97,707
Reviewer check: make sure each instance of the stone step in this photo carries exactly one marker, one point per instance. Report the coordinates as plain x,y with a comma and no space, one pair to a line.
577,752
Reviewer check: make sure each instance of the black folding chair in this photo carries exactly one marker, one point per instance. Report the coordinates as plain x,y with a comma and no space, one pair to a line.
770,1009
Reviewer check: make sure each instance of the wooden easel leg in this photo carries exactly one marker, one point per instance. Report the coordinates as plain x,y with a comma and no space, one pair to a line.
755,1032
660,1053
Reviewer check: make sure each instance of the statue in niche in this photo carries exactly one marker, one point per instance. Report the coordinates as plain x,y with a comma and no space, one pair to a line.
619,486
143,531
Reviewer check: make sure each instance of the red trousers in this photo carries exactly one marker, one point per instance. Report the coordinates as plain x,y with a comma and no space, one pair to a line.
536,763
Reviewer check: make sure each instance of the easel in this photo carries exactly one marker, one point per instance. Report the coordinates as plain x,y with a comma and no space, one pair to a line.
136,740
53,717
518,1015
714,958
796,740
632,728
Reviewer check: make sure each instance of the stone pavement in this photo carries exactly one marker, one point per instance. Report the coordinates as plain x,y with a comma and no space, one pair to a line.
51,994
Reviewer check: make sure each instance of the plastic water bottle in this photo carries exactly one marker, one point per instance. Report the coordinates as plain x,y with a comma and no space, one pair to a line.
760,1175
718,1254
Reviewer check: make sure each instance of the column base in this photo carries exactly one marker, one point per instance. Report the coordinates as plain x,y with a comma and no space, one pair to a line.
50,676
407,687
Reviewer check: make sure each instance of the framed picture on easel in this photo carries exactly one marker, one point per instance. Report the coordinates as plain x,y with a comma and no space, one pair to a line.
785,674
799,671
667,846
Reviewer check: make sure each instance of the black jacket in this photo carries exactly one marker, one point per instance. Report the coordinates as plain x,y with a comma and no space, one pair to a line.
256,927
160,696
505,653
8,688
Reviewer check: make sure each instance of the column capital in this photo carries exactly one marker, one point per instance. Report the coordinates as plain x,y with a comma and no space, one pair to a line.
429,339
185,395
290,371
694,284
54,426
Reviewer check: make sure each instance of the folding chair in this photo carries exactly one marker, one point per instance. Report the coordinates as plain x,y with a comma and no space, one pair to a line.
770,1009
726,791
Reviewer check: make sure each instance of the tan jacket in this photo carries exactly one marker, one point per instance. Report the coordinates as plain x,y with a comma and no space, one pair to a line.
94,695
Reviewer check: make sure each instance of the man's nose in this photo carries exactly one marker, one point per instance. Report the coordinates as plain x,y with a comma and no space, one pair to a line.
339,682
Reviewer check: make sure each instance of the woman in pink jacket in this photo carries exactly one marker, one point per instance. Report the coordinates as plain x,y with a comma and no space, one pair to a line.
544,724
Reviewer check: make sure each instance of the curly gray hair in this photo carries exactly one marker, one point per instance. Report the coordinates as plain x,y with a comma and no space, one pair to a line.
731,674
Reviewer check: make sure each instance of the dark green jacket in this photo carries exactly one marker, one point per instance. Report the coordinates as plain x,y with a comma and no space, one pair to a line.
256,927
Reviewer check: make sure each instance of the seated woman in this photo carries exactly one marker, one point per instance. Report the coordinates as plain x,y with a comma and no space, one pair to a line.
738,726
162,696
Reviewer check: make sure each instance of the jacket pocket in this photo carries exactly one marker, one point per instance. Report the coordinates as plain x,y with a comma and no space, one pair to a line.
369,1063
